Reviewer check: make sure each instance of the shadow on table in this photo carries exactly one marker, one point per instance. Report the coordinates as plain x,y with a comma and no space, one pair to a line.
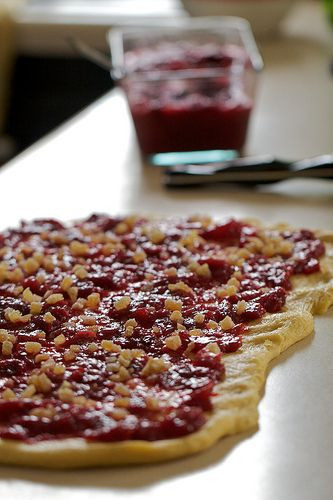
284,356
130,477
293,190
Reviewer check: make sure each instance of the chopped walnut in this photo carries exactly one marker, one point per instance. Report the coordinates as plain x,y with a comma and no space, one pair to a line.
5,335
93,300
119,413
48,264
212,325
18,290
58,238
227,323
28,392
75,348
152,403
110,346
80,271
41,357
69,355
42,383
173,305
36,308
33,347
54,298
213,347
131,322
254,245
122,402
30,297
15,316
205,220
73,293
66,283
59,369
108,249
180,287
113,367
92,347
233,282
88,320
227,291
15,276
121,228
139,256
195,332
122,389
48,412
176,316
7,348
49,318
201,270
31,265
191,240
78,249
173,342
122,303
199,318
80,304
154,365
47,365
129,331
65,394
59,340
156,236
189,349
8,394
122,375
171,272
241,306
83,401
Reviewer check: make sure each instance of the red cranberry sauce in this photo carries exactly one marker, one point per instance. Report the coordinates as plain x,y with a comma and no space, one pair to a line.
182,113
114,329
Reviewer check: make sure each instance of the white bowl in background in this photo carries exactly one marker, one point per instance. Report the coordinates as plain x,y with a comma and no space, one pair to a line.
263,15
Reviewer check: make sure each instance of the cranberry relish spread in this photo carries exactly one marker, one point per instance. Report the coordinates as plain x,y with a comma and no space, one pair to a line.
115,328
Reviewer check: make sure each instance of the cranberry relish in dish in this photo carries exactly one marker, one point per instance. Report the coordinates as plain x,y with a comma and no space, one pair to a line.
128,340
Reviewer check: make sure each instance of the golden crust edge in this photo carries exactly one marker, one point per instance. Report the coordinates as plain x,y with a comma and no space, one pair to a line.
235,406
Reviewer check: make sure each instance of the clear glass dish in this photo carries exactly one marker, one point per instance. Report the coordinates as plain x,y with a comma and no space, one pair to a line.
190,85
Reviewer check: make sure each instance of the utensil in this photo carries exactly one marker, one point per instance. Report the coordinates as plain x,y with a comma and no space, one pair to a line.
249,170
92,55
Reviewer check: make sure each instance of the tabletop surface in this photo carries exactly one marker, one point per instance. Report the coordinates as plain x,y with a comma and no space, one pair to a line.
92,164
42,25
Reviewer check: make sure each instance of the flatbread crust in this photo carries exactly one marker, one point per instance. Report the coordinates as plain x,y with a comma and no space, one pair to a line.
237,397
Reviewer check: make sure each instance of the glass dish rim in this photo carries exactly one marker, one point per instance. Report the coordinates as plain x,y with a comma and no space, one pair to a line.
200,24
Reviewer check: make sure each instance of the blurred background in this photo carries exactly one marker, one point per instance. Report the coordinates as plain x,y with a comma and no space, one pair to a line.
43,82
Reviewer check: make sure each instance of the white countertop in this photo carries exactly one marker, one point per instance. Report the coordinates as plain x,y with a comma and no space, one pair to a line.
42,25
93,164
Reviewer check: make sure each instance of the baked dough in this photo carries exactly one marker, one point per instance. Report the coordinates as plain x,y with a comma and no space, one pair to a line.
237,397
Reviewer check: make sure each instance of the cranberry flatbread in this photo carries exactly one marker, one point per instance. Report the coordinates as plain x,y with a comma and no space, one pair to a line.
128,340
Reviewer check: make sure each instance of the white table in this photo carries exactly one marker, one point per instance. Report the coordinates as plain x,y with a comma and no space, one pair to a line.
42,25
93,164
